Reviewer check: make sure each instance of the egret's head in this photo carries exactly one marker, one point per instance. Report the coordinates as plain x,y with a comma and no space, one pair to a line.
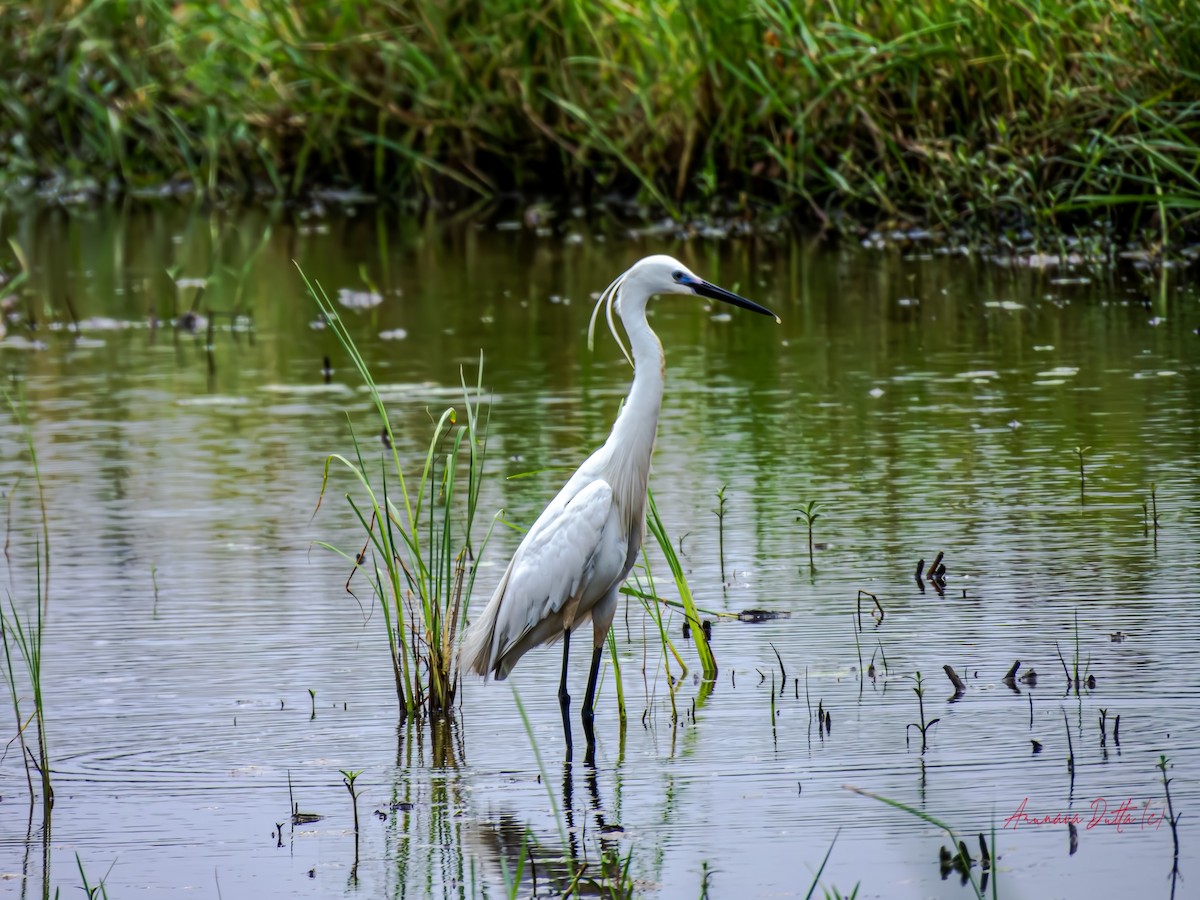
659,275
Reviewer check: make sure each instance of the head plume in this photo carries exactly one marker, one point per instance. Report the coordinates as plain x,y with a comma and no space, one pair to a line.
608,299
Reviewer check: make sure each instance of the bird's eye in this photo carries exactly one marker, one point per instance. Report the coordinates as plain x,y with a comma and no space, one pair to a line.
677,274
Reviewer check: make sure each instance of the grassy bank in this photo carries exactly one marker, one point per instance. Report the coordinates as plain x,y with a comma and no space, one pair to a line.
958,112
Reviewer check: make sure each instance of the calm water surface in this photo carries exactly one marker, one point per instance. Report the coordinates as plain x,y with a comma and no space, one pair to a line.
929,402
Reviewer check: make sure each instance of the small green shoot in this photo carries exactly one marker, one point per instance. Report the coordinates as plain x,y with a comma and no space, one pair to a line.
1080,451
1163,764
922,726
349,776
719,512
809,514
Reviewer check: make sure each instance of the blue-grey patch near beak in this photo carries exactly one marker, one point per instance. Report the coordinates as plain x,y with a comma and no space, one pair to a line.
705,289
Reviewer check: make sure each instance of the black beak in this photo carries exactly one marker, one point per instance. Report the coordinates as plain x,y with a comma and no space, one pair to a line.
704,289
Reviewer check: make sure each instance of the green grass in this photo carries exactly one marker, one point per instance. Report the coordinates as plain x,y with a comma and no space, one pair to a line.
1033,113
421,568
21,636
654,523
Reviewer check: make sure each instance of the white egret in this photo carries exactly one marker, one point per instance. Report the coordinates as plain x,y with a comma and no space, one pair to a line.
571,564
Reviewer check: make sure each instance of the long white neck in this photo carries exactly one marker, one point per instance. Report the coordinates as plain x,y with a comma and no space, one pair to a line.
631,442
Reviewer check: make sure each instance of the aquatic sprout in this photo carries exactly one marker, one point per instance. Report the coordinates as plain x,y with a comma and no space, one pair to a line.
922,726
1147,518
99,889
349,776
719,512
1076,681
1080,451
809,513
773,713
1172,819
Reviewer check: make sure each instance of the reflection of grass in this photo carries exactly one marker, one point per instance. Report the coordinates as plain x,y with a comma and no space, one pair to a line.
416,553
938,823
611,878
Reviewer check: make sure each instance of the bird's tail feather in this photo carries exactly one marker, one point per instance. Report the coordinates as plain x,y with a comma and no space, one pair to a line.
476,651
478,643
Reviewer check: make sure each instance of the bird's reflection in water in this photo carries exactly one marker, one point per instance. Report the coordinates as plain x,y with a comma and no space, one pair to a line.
586,858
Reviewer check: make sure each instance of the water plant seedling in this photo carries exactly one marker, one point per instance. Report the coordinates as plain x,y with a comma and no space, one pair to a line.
719,512
349,776
809,514
922,726
1172,819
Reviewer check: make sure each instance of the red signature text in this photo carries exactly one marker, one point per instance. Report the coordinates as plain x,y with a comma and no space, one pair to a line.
1127,815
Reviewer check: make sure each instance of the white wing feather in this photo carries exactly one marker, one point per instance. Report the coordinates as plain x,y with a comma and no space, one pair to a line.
572,555
555,563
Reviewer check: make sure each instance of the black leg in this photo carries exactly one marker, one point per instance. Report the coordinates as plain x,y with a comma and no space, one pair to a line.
588,701
564,699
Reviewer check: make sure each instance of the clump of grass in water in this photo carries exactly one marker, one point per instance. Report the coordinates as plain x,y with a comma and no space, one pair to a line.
415,551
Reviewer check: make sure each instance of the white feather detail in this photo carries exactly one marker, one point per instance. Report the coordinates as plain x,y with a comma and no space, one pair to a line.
608,299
